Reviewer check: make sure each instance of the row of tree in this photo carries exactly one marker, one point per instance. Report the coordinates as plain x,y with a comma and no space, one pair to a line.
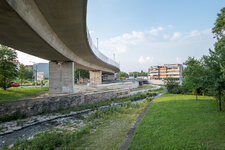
80,73
9,70
132,74
206,76
138,74
120,75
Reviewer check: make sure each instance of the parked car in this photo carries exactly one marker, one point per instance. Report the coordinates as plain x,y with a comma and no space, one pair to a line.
14,84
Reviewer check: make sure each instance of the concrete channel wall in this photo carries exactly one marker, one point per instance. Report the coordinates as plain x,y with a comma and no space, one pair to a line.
31,107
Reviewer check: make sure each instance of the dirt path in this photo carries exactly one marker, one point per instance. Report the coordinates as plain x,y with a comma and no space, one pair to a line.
126,142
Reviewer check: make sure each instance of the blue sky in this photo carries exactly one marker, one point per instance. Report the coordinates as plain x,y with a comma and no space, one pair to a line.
115,17
142,33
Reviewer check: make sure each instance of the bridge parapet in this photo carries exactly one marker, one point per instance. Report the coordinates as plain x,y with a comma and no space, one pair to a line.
100,55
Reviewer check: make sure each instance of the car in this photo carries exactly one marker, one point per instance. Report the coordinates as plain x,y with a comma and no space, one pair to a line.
14,84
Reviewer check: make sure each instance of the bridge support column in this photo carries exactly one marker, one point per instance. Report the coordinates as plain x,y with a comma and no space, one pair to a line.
61,77
95,77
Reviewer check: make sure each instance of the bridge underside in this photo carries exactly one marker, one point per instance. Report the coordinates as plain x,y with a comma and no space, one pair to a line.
53,30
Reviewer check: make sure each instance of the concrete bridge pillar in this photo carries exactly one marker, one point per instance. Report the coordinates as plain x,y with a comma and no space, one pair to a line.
95,77
61,77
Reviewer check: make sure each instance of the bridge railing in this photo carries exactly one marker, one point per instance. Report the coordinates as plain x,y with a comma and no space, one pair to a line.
99,54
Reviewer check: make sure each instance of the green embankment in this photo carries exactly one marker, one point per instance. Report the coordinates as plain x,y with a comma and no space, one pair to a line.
103,129
15,93
181,122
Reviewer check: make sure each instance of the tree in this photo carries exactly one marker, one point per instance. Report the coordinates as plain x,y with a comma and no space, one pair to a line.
171,84
29,74
215,62
8,69
134,74
137,74
80,73
142,73
122,74
193,75
219,28
22,73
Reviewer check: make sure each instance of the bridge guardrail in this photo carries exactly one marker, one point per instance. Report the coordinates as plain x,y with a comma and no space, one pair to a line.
99,54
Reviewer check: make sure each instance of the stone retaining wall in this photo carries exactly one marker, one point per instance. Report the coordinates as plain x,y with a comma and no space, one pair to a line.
31,107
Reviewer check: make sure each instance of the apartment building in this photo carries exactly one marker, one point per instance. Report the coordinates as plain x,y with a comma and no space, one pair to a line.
168,70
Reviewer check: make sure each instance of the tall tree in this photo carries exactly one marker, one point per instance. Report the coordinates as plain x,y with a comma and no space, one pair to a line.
80,73
219,28
193,75
216,60
216,64
171,84
22,73
122,74
8,69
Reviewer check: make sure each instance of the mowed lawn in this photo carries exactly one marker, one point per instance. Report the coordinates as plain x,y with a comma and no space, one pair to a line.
15,93
177,122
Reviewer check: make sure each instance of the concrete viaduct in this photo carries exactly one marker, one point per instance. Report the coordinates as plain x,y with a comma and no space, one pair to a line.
55,30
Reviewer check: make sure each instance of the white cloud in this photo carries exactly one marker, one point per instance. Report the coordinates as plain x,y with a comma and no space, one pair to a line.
145,61
163,44
27,59
166,36
176,35
178,59
91,31
160,28
120,44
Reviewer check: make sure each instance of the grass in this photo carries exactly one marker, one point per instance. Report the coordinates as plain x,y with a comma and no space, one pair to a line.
111,133
28,82
15,93
105,130
181,122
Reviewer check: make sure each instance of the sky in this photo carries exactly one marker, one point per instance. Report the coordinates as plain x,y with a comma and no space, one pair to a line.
142,33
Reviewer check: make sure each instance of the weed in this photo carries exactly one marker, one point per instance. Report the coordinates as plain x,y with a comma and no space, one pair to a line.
35,120
5,146
19,123
15,116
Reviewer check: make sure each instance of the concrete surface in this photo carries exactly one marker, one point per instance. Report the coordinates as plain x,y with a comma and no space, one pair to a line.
105,87
61,77
95,77
53,30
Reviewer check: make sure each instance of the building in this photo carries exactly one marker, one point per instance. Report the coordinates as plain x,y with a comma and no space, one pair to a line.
42,67
168,70
17,63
